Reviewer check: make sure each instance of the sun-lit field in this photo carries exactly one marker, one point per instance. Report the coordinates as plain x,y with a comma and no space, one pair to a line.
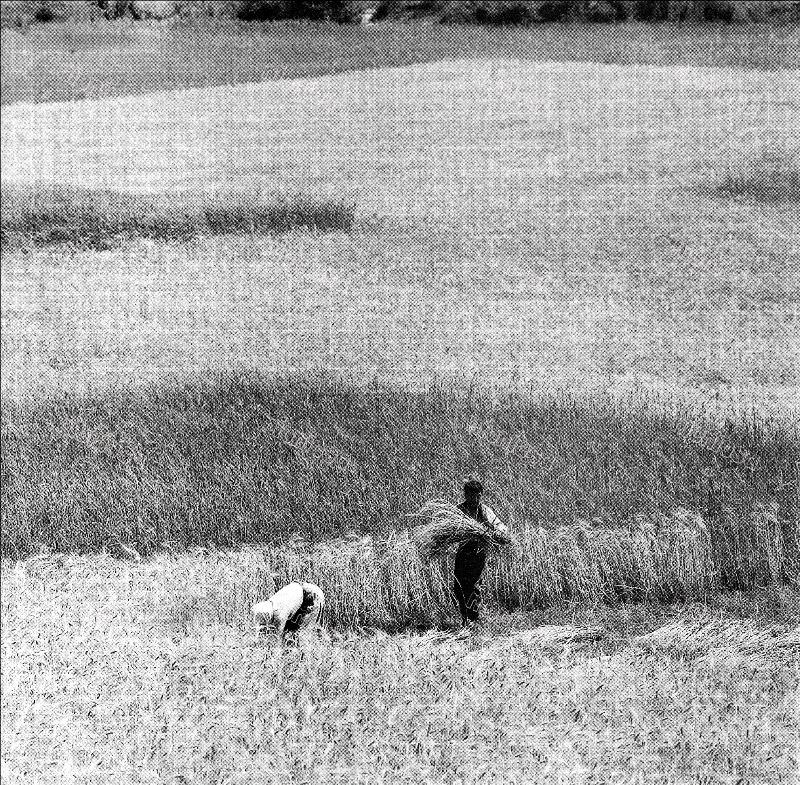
119,673
275,317
553,222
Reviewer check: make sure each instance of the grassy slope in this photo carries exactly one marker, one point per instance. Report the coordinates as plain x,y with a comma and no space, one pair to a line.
58,62
109,678
117,672
563,228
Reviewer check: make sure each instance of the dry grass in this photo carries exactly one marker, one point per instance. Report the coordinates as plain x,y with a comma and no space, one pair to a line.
707,638
101,685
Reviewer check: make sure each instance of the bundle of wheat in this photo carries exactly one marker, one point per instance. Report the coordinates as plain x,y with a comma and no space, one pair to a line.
444,526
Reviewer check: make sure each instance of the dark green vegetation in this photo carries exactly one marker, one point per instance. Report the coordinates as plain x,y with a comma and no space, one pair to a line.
247,459
28,12
36,216
60,62
523,12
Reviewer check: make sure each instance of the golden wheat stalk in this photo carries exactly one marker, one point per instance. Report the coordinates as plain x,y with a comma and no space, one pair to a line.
445,526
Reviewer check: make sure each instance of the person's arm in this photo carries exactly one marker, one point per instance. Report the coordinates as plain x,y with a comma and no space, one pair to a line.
490,516
499,529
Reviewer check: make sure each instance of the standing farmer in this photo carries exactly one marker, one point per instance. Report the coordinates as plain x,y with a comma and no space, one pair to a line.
471,555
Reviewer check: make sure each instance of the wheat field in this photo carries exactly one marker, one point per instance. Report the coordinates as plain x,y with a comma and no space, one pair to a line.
574,271
120,672
249,458
579,239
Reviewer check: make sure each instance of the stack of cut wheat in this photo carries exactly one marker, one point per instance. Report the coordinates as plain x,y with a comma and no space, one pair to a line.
444,525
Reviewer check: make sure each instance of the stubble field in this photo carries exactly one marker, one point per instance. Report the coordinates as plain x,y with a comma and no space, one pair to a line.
580,279
124,673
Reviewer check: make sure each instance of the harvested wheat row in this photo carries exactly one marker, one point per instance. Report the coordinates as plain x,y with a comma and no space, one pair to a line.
701,637
393,583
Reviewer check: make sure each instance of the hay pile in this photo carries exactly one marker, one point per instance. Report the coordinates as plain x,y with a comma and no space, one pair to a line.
702,637
444,526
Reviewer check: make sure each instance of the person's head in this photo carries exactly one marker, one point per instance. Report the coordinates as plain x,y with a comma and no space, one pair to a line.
473,488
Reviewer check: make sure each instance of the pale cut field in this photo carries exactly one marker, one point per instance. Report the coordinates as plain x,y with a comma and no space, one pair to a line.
118,672
516,221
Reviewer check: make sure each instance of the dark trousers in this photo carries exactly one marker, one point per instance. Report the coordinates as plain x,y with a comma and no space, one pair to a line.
469,564
294,622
